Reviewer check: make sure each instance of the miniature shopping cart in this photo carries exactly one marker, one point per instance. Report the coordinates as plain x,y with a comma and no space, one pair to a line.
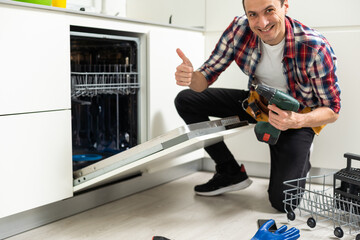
315,198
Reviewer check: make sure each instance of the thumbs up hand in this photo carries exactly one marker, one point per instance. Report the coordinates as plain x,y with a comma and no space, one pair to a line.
184,72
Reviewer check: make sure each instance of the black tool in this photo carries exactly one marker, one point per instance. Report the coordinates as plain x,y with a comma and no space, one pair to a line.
160,238
261,222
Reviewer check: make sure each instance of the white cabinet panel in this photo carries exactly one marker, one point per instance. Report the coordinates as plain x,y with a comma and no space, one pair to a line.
36,160
220,14
162,63
188,13
319,13
341,136
325,13
35,60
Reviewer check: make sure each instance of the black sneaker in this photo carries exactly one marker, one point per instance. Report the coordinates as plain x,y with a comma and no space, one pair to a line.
221,183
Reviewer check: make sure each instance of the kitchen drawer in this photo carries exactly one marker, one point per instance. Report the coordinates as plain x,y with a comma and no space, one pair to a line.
35,61
36,160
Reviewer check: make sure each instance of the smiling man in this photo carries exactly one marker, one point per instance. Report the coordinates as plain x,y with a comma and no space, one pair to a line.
267,23
278,51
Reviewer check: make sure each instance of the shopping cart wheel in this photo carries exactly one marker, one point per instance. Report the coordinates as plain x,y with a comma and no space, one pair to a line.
291,215
311,222
338,232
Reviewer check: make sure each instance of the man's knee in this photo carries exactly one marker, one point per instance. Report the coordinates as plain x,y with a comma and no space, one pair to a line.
181,100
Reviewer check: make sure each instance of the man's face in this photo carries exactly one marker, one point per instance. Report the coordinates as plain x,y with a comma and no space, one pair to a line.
267,19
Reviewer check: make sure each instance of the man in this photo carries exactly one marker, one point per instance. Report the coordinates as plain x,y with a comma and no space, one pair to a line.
275,50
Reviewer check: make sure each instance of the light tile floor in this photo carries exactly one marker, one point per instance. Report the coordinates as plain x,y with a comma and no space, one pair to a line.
174,211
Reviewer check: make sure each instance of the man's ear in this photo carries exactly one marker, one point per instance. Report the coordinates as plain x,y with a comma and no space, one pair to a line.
286,6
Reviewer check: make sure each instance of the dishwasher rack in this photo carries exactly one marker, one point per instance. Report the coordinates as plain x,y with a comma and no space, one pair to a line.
94,83
318,203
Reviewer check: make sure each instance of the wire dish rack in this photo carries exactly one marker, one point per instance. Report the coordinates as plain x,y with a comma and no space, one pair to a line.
319,201
93,83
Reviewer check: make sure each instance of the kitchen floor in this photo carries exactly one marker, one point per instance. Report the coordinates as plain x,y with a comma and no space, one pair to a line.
173,210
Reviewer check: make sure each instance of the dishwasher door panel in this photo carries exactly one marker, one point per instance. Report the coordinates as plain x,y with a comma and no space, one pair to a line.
141,158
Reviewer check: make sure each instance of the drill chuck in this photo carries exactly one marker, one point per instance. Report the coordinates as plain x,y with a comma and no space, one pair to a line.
267,92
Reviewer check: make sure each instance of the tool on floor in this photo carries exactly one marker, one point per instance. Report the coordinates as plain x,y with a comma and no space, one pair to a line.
159,238
264,131
261,222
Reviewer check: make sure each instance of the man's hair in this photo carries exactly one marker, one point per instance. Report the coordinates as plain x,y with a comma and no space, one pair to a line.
281,1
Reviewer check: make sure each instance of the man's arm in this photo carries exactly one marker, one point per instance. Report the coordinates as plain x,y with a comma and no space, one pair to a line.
284,120
185,75
198,82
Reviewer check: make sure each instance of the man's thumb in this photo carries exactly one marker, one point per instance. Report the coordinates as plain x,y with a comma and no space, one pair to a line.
183,57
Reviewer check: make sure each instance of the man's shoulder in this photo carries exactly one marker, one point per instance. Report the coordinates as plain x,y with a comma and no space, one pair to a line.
241,21
306,35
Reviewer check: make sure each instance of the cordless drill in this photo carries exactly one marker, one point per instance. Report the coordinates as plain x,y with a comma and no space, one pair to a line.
264,131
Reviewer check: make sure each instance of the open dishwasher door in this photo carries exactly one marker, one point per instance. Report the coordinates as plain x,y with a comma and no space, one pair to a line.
137,160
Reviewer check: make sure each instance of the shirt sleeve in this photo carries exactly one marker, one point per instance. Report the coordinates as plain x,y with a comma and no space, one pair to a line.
324,78
222,55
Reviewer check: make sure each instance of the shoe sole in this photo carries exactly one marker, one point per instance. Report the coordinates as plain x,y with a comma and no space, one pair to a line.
231,188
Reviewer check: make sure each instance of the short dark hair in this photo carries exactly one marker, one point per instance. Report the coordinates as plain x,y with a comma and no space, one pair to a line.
281,1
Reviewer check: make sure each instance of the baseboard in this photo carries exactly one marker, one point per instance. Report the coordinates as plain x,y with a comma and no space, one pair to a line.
24,221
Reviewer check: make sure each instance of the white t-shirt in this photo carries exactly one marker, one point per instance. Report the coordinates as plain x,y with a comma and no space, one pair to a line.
269,70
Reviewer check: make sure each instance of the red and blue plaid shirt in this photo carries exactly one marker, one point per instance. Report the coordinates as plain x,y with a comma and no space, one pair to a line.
309,62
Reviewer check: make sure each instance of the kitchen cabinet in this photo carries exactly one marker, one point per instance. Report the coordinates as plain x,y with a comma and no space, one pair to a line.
33,48
35,117
162,64
35,154
187,13
35,120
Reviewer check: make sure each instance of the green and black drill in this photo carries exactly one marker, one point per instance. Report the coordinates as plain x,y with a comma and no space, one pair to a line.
264,131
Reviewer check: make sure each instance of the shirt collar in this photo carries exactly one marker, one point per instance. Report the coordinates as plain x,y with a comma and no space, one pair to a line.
289,50
254,41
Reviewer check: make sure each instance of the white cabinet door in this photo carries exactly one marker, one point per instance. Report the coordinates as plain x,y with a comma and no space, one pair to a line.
162,63
187,13
35,60
36,160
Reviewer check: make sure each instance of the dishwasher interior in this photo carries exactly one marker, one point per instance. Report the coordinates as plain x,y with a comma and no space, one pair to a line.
105,95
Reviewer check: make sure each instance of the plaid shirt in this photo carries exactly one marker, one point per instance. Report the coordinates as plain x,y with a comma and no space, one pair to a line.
309,62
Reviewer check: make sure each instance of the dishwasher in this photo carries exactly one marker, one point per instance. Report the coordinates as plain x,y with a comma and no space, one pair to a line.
108,104
104,94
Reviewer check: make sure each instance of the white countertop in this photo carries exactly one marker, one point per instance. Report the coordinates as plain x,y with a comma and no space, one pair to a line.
43,7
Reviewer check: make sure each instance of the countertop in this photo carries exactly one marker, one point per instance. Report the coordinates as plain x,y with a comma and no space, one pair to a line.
70,11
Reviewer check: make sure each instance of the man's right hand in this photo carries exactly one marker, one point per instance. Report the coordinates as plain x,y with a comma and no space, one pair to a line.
184,72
